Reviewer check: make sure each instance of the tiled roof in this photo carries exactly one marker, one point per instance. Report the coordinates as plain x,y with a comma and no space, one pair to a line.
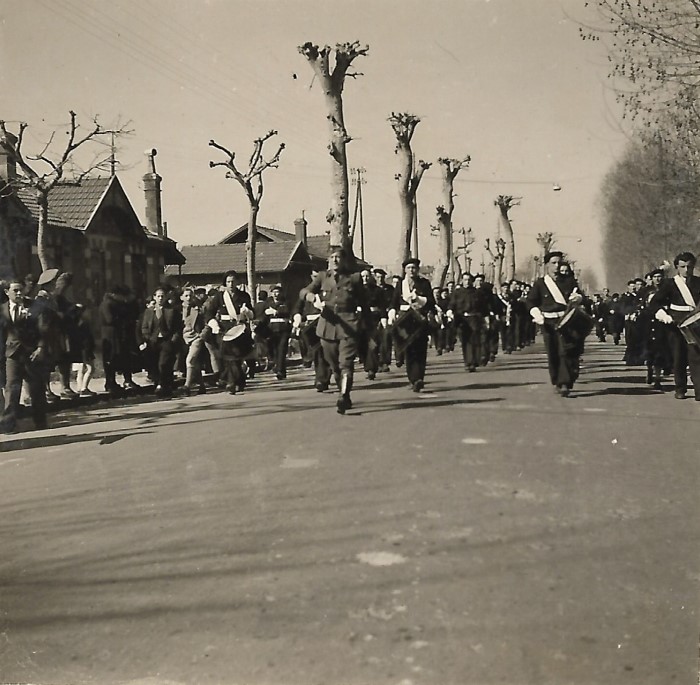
272,233
217,259
69,206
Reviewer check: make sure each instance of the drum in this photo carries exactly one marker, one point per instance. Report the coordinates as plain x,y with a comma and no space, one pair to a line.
308,334
407,327
237,342
690,328
575,325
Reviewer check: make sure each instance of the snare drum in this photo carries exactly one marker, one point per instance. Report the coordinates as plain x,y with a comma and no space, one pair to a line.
237,342
690,328
575,325
407,327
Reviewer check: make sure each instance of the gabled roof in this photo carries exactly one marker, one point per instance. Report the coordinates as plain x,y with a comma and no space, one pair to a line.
77,204
218,259
270,234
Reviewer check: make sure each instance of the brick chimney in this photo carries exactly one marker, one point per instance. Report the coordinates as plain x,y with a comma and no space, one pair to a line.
300,230
8,166
151,189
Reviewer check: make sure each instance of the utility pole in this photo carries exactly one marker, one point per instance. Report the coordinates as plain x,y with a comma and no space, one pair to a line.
113,159
359,181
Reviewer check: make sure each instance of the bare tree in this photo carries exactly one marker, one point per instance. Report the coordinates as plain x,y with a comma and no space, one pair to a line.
497,258
504,204
251,181
331,67
449,168
408,177
464,250
58,169
654,53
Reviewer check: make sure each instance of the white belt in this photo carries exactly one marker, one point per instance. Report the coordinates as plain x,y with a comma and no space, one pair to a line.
278,319
312,317
375,309
553,315
225,317
404,307
681,307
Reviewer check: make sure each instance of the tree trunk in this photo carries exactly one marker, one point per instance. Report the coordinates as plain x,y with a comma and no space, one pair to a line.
339,213
509,256
406,198
42,201
250,245
444,232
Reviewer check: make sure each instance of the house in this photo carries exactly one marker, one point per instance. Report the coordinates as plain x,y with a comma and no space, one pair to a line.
280,257
93,232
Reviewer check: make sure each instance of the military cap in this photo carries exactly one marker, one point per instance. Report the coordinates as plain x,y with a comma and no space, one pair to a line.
377,270
47,276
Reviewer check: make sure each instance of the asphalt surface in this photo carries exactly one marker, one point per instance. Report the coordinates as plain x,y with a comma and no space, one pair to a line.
485,531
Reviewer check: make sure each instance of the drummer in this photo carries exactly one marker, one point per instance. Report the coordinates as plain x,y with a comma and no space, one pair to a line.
338,326
548,300
230,307
675,300
414,292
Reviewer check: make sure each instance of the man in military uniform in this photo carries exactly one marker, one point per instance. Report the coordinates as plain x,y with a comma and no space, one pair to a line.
548,300
414,293
383,334
277,313
343,294
675,300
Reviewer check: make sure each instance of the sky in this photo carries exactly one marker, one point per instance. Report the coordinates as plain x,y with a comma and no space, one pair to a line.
507,82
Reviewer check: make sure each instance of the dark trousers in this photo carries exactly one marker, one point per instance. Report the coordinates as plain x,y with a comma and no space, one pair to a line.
450,335
385,343
506,337
162,355
439,337
471,330
562,358
416,356
36,374
371,347
685,357
279,345
340,356
322,369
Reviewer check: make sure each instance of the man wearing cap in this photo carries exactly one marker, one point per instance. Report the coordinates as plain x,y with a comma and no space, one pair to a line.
414,293
25,357
277,313
468,308
676,299
383,333
342,294
372,324
548,300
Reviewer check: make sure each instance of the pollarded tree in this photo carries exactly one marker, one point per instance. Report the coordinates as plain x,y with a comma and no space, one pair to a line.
496,259
51,169
408,177
251,181
331,67
449,168
504,204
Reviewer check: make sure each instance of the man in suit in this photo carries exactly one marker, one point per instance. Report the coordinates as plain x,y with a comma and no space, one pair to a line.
161,332
548,301
414,292
25,352
342,294
674,301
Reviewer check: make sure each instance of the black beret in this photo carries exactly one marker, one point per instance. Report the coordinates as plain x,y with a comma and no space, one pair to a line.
411,260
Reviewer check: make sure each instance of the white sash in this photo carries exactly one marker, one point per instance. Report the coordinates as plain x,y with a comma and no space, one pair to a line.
684,290
228,303
554,290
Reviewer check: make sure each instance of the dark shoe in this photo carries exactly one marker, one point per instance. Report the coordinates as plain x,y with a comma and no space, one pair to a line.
231,389
202,389
439,353
564,392
52,398
130,385
418,386
68,394
371,375
343,404
186,390
658,387
280,376
650,376
399,364
492,358
321,387
472,368
680,394
8,428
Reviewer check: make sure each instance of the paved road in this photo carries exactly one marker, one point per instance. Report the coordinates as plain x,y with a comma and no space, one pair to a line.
485,531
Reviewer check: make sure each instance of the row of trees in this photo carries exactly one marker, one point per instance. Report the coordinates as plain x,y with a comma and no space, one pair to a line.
650,199
331,66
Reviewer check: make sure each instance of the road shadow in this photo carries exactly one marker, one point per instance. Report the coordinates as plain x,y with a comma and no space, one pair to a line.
63,439
418,404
